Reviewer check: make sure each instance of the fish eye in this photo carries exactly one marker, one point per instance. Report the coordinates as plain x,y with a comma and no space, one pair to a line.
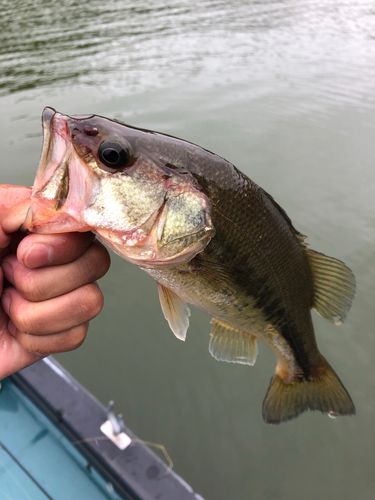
113,154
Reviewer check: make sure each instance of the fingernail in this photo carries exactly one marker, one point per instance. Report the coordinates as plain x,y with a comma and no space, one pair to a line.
6,299
38,255
8,271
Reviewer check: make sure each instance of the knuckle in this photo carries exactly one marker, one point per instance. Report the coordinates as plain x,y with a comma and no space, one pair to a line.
102,260
77,336
21,317
96,261
29,286
30,343
92,302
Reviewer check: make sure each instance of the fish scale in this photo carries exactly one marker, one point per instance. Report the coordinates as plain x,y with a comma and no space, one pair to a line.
209,236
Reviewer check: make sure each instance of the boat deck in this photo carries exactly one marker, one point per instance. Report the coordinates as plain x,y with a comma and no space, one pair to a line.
51,446
36,461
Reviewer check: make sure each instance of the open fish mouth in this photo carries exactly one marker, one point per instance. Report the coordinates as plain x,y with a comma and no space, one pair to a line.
56,203
92,178
55,142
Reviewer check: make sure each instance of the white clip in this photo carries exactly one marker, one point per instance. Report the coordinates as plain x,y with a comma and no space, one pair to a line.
113,429
122,440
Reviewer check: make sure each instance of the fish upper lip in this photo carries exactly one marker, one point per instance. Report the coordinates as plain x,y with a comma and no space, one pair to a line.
51,126
47,116
55,142
49,112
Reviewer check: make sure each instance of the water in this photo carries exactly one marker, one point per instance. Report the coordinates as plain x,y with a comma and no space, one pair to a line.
285,91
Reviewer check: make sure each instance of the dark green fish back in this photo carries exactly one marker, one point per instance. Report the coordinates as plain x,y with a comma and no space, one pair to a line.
256,239
210,237
257,248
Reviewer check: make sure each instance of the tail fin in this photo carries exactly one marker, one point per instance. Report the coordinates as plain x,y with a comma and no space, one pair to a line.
325,393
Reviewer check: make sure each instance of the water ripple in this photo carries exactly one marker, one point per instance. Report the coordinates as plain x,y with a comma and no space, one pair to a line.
324,47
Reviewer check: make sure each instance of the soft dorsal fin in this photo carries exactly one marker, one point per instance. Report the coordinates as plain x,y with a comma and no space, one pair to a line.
175,311
232,345
334,286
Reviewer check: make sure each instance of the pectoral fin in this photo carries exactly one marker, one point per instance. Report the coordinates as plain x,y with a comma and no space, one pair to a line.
229,344
175,311
334,286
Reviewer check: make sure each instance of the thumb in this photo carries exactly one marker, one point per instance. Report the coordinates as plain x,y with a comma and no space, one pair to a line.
14,203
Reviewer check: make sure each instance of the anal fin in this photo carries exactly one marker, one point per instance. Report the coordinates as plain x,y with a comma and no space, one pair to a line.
232,345
175,311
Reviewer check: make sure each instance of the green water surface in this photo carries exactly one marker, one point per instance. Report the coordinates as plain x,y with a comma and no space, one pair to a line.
285,90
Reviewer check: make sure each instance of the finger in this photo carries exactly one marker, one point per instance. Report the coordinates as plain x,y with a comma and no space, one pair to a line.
51,344
37,250
53,315
10,196
13,355
47,282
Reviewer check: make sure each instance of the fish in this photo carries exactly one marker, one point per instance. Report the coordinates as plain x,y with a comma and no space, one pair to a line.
210,237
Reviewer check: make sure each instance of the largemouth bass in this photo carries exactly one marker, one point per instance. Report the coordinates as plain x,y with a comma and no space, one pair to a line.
209,236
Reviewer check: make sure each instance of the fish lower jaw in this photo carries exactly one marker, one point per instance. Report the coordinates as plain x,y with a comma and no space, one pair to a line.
45,221
144,252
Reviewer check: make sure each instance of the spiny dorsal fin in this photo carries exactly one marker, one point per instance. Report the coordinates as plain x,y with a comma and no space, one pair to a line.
232,345
300,237
334,286
175,311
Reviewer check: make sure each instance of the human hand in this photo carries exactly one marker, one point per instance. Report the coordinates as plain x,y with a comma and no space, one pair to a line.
52,294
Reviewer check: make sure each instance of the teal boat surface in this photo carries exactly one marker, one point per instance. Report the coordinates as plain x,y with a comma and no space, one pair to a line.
36,461
51,445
